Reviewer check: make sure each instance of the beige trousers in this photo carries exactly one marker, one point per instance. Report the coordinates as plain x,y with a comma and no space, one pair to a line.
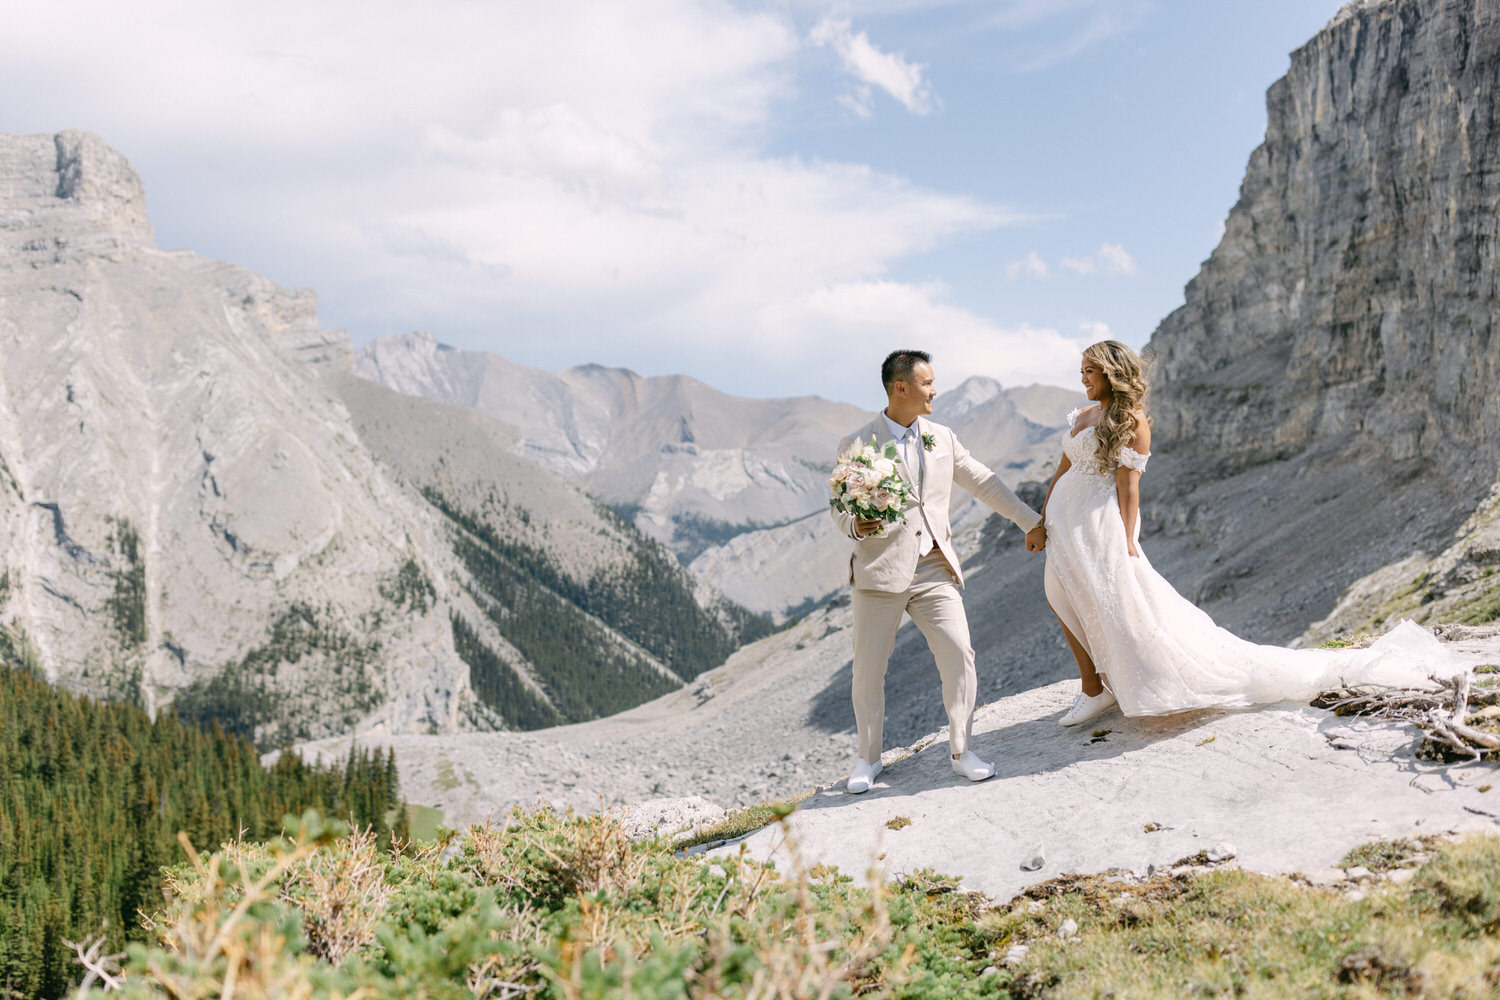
936,606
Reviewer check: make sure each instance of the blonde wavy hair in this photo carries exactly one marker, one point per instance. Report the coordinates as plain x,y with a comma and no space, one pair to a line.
1129,386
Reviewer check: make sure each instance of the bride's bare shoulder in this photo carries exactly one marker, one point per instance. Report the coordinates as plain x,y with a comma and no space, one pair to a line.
1142,443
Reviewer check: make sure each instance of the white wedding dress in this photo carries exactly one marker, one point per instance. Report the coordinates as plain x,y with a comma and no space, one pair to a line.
1157,651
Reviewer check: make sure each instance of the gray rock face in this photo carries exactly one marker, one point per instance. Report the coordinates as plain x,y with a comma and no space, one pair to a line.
199,505
1323,402
694,462
1312,426
1324,396
728,483
176,469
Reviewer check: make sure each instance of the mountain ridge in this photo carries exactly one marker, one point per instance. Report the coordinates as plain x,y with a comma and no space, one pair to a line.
192,515
729,483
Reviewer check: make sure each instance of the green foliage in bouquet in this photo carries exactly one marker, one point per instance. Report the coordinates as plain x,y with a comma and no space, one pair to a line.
867,483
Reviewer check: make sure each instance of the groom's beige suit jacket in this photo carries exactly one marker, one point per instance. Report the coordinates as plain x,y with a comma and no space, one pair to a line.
888,561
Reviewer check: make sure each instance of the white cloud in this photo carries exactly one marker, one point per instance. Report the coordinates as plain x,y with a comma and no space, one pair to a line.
1094,330
863,60
867,319
859,100
1103,23
1030,266
1110,258
1033,35
568,182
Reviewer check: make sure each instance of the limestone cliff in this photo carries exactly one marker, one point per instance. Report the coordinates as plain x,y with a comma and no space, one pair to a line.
736,487
198,507
1325,395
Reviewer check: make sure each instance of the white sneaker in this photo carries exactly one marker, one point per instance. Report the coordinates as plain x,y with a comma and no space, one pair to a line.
1086,707
967,765
863,776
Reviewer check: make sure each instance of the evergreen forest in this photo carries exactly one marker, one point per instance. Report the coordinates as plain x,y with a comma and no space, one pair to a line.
554,622
93,795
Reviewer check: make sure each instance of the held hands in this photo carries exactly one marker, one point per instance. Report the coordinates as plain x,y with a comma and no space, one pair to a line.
1036,538
869,526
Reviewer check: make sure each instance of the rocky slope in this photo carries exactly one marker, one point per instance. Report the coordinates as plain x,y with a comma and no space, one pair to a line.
198,505
1459,584
1282,789
768,724
1323,406
1324,397
692,465
732,485
1322,402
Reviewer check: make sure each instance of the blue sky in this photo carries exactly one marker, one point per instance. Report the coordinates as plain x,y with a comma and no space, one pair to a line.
765,195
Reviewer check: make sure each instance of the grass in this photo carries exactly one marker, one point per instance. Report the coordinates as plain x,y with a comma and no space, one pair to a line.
448,778
1385,855
426,823
741,822
1356,641
1479,610
423,823
564,906
1424,604
1231,933
1403,603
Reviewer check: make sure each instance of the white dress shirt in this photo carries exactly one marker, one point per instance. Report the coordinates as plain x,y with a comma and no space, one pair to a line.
909,444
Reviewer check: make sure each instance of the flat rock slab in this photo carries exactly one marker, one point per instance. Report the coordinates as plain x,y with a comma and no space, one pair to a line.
1291,787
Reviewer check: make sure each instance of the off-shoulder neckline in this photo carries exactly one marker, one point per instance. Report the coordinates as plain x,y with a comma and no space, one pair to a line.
1073,419
1123,447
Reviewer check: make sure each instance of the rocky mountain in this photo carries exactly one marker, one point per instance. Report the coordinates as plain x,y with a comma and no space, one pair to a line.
1325,460
200,506
788,569
736,487
1326,435
690,465
1324,400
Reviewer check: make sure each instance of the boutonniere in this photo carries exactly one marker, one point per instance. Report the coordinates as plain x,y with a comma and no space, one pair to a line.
928,442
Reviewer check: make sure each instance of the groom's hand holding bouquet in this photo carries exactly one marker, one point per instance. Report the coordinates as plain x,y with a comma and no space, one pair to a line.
867,483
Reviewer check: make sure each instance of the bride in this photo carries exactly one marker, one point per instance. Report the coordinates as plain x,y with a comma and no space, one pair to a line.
1137,641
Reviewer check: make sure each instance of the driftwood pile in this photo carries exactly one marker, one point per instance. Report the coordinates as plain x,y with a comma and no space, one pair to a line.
1460,716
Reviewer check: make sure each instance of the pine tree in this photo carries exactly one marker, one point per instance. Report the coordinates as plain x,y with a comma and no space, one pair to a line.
92,796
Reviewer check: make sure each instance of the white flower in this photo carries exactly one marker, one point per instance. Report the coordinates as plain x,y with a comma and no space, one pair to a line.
885,466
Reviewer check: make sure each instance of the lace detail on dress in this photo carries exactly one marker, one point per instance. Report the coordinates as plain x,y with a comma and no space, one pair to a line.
1080,451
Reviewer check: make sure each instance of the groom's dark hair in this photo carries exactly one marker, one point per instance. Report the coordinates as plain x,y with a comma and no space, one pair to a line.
898,365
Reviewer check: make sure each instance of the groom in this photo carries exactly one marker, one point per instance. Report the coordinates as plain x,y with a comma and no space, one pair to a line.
911,567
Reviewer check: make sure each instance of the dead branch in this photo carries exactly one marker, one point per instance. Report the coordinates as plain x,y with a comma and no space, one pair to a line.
100,968
1443,713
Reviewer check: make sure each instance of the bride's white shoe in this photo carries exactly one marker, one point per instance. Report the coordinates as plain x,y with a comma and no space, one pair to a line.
1086,707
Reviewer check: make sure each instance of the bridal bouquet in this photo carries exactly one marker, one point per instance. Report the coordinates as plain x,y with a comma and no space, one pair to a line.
867,483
